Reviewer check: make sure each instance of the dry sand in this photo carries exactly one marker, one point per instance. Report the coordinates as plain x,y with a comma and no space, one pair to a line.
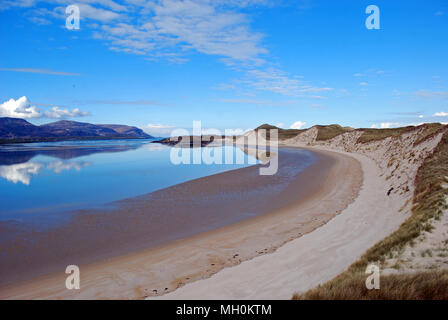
165,268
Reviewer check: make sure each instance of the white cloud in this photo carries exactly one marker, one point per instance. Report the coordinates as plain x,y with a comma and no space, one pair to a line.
20,108
440,114
105,3
156,129
363,84
99,14
385,125
58,113
358,75
298,125
20,172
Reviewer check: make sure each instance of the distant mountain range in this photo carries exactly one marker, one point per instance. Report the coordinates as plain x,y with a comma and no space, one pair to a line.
20,130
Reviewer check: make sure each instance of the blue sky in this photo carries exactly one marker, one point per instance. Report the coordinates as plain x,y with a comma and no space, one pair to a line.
231,64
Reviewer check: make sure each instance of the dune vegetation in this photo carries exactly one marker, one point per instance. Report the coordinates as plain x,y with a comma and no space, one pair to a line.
431,285
429,202
330,131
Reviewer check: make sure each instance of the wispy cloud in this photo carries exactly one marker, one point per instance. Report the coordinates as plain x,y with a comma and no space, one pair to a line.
94,13
40,21
279,82
6,4
370,73
43,71
407,113
141,102
173,30
431,94
261,102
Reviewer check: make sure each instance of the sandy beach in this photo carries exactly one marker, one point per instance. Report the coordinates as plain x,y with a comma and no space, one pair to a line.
242,151
314,258
332,183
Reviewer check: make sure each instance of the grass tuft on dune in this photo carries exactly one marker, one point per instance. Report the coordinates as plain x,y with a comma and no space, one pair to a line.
431,285
330,131
369,135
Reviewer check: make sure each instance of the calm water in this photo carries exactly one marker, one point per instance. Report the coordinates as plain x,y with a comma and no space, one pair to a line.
39,180
43,185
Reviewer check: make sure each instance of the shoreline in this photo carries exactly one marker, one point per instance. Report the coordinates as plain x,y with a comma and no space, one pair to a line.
141,222
157,270
316,257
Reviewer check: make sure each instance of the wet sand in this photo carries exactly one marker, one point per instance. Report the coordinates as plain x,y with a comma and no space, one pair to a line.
308,201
